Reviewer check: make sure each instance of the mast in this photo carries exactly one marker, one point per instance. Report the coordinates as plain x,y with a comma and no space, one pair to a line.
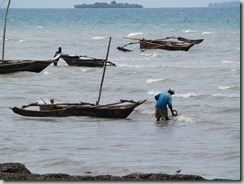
4,30
104,70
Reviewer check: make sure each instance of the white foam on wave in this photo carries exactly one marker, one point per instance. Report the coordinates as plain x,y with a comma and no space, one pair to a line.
229,62
98,37
203,33
40,27
153,92
187,95
46,73
150,54
225,87
218,95
155,80
20,41
228,96
189,31
135,34
148,112
188,119
86,69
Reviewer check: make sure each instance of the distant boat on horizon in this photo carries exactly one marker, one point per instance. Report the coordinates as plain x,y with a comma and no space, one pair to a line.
113,4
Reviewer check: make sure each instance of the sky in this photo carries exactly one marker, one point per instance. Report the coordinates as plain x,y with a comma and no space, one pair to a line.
145,3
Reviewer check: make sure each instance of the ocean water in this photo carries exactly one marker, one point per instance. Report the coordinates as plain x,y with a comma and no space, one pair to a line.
203,140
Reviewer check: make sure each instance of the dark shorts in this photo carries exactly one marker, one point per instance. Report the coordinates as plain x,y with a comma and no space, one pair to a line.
160,113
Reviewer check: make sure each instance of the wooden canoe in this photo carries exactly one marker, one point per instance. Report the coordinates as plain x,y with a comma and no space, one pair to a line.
84,61
120,109
165,44
12,66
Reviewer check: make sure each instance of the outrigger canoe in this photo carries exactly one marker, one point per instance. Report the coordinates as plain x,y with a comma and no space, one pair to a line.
12,66
84,61
120,109
168,43
165,44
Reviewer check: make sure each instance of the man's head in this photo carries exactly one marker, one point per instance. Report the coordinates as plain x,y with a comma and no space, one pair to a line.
171,91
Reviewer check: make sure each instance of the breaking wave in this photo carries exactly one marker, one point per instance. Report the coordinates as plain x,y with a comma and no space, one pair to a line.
155,80
148,112
187,95
87,69
206,33
189,31
134,34
188,119
153,92
230,62
98,37
227,87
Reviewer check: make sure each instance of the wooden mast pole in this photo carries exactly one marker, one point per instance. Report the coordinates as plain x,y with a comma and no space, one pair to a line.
4,30
104,70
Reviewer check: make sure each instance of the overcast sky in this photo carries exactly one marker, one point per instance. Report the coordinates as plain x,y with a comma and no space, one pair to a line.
145,3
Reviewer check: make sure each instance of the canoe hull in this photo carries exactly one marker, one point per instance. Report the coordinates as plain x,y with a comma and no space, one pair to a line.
197,41
102,111
84,61
27,65
165,45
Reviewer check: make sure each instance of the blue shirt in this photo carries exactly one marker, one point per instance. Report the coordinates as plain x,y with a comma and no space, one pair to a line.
163,99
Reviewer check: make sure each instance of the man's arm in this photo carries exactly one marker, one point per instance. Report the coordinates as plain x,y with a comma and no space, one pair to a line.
156,97
171,106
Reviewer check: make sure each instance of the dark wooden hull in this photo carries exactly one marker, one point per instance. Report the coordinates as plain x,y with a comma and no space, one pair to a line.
29,66
12,66
166,45
84,61
197,41
64,110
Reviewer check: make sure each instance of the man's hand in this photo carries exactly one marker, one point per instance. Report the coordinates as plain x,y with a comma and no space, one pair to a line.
175,113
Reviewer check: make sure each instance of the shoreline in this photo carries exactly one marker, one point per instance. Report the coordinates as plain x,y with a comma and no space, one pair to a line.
18,171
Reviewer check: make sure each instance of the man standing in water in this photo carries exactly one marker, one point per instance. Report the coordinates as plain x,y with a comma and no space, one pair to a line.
164,99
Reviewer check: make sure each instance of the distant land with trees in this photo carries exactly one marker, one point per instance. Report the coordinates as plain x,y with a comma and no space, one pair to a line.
113,4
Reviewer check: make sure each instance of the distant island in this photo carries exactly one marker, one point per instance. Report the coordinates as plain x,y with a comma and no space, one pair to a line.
113,4
225,4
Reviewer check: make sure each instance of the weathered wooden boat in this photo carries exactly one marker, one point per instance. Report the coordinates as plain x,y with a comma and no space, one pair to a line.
120,109
168,43
84,61
165,44
11,66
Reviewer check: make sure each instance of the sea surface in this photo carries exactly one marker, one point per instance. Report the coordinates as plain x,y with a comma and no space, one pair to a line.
203,140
